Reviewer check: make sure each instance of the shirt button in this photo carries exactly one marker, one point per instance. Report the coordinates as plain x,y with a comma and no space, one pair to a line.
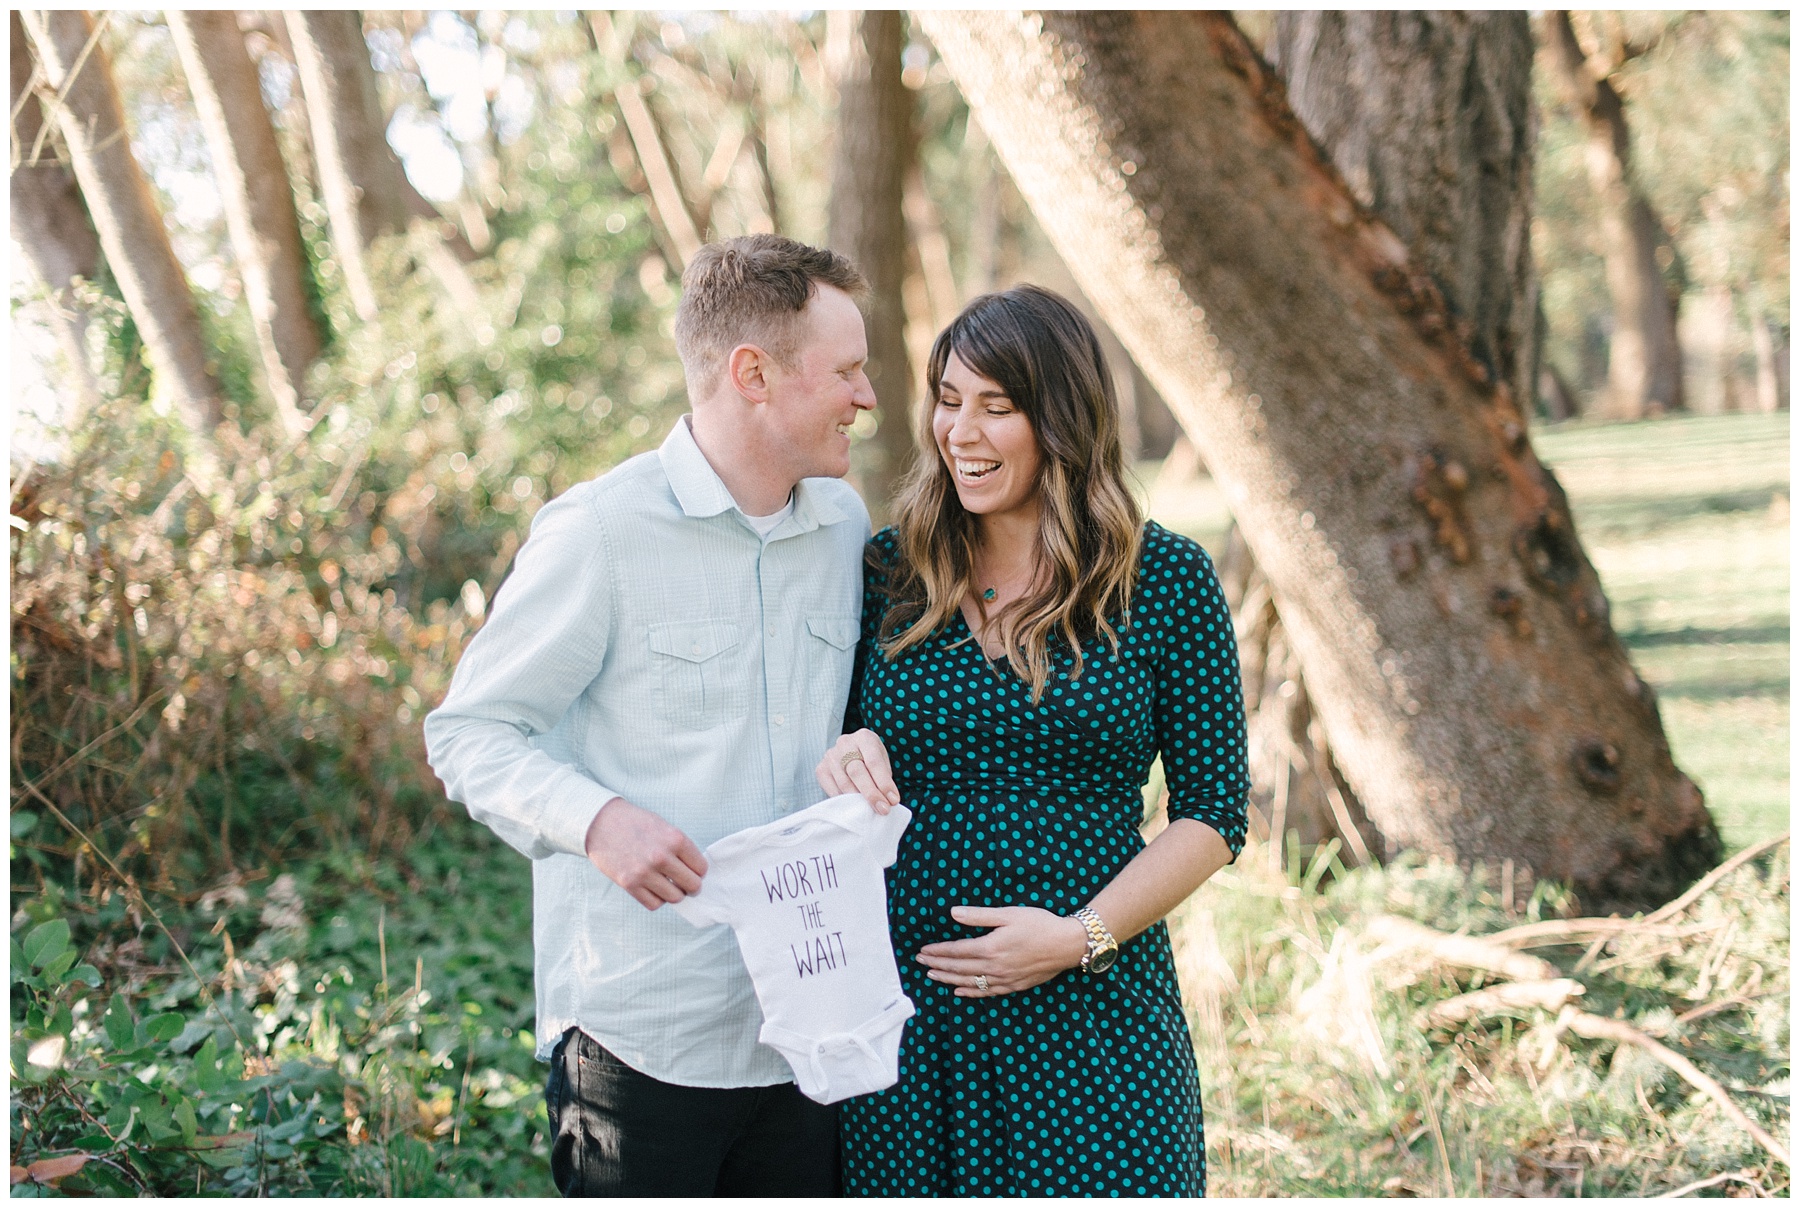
778,719
771,631
695,648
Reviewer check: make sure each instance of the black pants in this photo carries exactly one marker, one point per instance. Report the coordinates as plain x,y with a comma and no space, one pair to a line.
615,1131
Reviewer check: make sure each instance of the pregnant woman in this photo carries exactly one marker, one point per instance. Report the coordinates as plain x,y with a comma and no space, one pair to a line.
1029,646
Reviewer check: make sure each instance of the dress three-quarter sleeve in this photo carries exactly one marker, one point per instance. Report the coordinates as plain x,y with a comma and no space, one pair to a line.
1199,695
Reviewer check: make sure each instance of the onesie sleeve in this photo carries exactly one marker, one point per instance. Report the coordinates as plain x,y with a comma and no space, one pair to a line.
707,908
886,834
1199,697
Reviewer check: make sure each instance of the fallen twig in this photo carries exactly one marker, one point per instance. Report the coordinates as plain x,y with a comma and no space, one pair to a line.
1734,1176
1595,1028
1551,994
1470,952
1582,930
1713,878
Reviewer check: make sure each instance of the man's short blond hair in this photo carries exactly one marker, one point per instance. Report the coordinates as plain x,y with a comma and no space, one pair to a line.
751,290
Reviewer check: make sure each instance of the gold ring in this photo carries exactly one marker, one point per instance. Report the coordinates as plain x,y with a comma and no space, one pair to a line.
981,982
850,757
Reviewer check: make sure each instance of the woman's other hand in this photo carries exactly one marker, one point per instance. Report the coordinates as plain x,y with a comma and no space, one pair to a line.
858,763
1026,947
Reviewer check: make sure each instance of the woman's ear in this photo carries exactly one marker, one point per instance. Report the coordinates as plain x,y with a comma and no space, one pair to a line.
747,370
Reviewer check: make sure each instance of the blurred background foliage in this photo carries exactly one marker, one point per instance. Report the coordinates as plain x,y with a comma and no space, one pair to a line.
255,951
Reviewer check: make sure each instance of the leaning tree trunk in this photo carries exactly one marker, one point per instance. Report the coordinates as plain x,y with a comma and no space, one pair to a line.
358,173
875,146
366,190
50,222
1644,372
1428,118
258,200
1454,634
131,230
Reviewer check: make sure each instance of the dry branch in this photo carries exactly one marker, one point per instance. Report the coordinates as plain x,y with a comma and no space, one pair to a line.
1469,952
1595,1028
1713,878
1551,995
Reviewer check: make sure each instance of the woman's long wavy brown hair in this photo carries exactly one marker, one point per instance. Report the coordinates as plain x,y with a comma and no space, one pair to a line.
1045,355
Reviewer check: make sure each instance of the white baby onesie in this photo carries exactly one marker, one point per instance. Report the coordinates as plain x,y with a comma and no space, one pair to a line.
806,897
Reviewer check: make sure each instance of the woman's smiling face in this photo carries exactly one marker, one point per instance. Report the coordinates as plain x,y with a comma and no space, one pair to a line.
986,441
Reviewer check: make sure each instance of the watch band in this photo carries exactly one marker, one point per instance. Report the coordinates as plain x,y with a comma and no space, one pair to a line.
1099,938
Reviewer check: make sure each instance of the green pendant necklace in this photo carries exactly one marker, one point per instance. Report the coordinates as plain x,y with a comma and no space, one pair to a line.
991,594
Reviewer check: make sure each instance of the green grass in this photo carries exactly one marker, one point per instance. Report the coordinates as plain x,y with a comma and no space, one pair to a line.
1687,522
1320,1078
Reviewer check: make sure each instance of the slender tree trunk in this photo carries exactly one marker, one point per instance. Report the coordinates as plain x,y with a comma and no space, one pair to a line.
343,111
365,189
671,207
126,218
1427,116
1454,634
1771,364
50,221
875,148
258,199
1644,375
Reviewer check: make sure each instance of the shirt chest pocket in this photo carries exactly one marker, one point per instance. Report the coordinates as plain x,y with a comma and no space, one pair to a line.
830,656
698,683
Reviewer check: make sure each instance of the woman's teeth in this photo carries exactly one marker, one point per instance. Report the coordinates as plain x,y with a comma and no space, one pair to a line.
976,469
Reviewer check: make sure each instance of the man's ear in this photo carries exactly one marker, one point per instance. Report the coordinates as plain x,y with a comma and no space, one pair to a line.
747,371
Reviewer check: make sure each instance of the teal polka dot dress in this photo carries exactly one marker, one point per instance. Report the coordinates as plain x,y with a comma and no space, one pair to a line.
1082,1085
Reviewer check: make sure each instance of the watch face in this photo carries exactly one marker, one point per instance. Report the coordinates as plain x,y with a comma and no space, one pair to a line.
1103,960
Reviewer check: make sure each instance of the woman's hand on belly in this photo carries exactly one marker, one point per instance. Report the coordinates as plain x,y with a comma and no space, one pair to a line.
1026,947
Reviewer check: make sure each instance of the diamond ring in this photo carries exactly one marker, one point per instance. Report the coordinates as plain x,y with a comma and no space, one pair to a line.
981,982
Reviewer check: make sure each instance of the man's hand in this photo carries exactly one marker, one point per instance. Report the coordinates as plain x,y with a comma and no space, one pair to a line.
643,855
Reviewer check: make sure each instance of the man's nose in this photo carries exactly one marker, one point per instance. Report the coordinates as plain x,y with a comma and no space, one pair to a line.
863,397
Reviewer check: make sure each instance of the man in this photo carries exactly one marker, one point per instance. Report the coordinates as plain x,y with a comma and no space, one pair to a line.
668,661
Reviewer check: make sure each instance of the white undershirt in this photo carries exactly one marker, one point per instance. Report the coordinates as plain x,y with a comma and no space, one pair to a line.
764,525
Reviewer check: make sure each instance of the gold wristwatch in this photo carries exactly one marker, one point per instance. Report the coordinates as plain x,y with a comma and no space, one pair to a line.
1102,948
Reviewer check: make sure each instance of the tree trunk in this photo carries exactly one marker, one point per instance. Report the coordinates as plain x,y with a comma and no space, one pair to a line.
1454,634
50,222
1427,116
1771,364
257,196
365,189
126,218
669,205
1644,374
875,148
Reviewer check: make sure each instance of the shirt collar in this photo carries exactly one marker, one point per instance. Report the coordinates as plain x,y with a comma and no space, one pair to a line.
701,492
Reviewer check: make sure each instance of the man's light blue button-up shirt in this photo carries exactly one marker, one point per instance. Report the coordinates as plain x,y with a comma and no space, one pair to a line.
650,645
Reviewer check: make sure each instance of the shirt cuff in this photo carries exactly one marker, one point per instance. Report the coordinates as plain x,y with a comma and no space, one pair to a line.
574,805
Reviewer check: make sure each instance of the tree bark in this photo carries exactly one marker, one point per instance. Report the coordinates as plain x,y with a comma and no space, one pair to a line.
875,149
1428,118
126,218
257,197
357,169
1426,565
365,189
50,221
669,205
1644,373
